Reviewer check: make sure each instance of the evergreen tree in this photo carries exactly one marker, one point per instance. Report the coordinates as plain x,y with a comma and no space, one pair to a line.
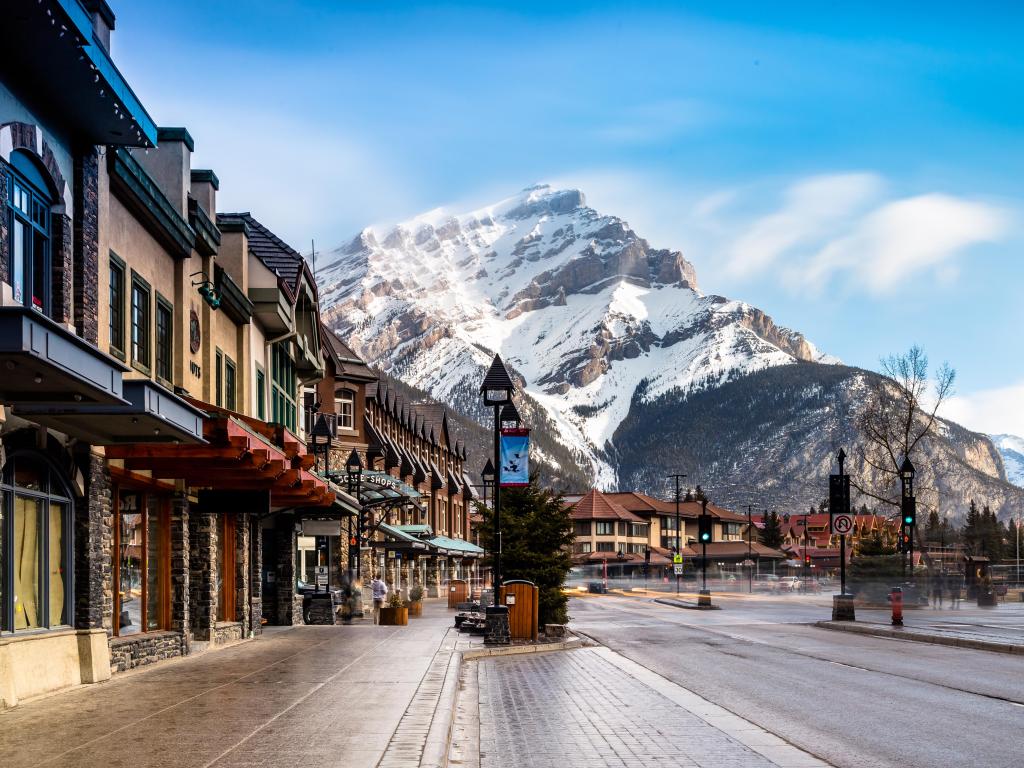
973,530
933,528
993,535
771,535
537,537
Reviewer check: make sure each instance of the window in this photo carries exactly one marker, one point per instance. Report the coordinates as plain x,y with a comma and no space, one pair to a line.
604,528
116,306
142,564
637,530
583,528
668,523
637,549
164,338
344,406
35,547
584,548
282,379
261,394
218,378
606,546
226,568
30,235
140,322
229,384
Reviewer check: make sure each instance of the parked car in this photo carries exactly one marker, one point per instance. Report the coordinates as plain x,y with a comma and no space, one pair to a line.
789,584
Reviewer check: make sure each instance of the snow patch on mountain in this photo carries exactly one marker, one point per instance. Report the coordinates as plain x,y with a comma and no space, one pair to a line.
1011,448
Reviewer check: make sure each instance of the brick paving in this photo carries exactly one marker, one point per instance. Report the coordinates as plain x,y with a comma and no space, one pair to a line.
575,708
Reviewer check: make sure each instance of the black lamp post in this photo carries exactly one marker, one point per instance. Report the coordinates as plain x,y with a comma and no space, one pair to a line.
487,475
908,507
497,390
353,477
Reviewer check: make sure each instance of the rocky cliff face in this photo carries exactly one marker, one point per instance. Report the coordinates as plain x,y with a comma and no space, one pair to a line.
600,330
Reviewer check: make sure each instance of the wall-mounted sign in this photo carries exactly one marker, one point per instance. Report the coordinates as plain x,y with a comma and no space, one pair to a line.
515,457
195,334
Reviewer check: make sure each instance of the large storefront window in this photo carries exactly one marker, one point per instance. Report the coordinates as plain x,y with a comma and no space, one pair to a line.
142,557
35,546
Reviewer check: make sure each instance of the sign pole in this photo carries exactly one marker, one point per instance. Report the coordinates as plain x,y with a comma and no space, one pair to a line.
842,523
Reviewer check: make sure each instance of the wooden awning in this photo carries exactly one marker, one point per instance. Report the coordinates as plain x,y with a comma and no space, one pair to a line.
236,457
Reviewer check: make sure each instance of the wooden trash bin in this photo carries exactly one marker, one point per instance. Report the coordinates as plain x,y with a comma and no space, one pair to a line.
523,601
458,592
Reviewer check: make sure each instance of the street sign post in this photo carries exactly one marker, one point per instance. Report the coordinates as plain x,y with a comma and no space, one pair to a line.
678,568
677,559
841,522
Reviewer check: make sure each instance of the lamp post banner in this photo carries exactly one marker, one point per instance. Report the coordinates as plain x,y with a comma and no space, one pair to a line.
515,458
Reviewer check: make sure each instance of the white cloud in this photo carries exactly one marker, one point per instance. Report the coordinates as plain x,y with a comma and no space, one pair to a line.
656,121
813,208
902,238
994,411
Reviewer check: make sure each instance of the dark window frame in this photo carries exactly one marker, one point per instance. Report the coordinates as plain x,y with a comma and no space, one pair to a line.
143,340
116,324
261,393
164,608
162,304
230,384
36,225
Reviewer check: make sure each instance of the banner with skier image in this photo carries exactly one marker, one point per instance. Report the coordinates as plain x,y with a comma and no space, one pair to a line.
515,458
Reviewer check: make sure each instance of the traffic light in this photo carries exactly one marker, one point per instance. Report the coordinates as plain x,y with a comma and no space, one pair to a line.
909,507
704,528
807,559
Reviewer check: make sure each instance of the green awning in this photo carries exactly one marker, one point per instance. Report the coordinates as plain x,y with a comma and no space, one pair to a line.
416,530
400,539
457,547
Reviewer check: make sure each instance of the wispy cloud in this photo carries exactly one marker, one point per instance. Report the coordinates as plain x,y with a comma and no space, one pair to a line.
916,234
994,411
812,210
843,227
657,121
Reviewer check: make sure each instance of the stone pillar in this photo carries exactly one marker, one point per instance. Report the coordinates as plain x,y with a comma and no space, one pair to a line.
243,607
94,544
86,245
255,575
4,241
433,578
407,569
288,610
62,268
180,573
202,573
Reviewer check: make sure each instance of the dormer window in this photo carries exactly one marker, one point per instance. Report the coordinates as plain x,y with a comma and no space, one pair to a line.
344,407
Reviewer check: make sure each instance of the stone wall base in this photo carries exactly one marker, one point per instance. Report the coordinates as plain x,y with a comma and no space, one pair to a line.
225,632
31,665
145,648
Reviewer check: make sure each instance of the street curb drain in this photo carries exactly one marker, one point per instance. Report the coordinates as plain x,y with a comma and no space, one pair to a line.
921,637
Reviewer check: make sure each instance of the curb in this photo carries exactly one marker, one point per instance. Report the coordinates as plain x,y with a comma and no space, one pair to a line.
515,650
439,737
688,606
921,637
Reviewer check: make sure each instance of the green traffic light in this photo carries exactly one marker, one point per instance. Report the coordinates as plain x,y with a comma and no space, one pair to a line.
908,519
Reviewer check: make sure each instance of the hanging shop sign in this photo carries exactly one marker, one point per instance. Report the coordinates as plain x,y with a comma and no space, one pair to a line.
515,457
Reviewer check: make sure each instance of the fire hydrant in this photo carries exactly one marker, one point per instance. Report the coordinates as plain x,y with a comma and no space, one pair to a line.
896,599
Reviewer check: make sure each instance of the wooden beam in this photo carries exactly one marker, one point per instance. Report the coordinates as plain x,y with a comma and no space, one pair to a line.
172,452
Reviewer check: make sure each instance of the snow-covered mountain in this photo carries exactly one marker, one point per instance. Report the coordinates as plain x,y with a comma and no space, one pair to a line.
587,314
626,370
1011,448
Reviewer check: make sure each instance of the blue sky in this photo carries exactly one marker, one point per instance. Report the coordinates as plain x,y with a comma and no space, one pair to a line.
855,173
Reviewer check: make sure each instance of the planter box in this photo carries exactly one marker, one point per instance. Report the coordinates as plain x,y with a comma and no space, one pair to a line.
415,608
394,617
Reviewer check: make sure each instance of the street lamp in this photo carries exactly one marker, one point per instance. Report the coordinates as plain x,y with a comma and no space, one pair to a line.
497,390
321,436
509,417
908,507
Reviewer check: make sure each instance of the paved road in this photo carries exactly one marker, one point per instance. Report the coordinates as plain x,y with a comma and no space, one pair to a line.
853,701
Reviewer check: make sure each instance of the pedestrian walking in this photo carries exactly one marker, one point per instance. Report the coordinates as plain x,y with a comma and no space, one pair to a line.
937,580
953,585
380,591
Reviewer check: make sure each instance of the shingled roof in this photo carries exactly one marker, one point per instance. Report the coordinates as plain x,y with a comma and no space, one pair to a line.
279,257
346,362
596,506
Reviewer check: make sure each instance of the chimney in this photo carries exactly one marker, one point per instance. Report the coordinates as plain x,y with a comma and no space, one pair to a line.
204,189
170,166
102,21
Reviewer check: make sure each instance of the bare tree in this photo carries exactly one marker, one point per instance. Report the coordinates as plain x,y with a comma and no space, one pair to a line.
898,420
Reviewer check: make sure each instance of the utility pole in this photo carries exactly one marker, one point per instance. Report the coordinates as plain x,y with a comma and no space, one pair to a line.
750,560
679,548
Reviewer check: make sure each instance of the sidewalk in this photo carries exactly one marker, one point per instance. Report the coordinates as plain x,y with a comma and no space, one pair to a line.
593,708
999,629
310,696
